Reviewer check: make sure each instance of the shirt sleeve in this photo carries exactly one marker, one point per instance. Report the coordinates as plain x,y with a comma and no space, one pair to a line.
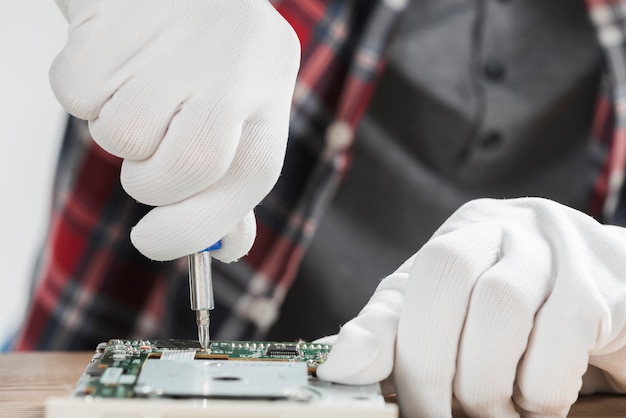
91,284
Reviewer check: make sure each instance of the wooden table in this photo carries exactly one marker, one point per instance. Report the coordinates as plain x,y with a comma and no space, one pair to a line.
29,378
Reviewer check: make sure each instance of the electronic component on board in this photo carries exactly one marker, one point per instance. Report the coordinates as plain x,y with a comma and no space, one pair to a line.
286,351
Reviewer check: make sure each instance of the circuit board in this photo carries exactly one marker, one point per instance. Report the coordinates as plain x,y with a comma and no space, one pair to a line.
115,367
167,378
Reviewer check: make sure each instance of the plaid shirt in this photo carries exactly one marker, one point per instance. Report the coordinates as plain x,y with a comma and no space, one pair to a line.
92,285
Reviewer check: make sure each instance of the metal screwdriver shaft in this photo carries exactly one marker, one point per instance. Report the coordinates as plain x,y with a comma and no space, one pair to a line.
201,293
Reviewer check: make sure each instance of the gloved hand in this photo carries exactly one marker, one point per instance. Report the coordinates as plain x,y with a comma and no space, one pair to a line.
195,97
505,307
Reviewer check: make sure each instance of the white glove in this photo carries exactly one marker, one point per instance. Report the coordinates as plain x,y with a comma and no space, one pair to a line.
504,307
195,96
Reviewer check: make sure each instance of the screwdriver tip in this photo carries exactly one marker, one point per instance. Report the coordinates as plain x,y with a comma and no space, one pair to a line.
203,336
203,320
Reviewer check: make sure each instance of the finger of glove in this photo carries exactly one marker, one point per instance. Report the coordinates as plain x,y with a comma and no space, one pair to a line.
578,321
237,242
363,352
133,121
436,302
550,374
499,320
172,231
197,151
95,62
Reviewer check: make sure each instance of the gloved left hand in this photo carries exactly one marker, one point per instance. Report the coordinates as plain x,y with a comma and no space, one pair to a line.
506,308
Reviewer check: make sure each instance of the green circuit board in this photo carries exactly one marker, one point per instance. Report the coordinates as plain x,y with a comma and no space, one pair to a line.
117,364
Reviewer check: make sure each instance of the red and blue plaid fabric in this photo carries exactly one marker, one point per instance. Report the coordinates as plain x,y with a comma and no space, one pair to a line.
92,285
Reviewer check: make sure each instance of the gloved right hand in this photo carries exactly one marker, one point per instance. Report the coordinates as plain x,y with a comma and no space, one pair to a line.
195,96
513,306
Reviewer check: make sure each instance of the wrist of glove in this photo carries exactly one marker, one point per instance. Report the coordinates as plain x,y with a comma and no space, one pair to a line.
195,97
506,308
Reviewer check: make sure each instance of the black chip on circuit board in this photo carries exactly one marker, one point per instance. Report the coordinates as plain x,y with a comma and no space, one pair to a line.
282,351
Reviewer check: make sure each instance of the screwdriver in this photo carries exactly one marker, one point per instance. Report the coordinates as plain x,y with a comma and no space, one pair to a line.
201,290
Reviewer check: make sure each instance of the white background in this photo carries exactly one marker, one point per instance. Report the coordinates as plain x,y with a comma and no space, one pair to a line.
31,125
